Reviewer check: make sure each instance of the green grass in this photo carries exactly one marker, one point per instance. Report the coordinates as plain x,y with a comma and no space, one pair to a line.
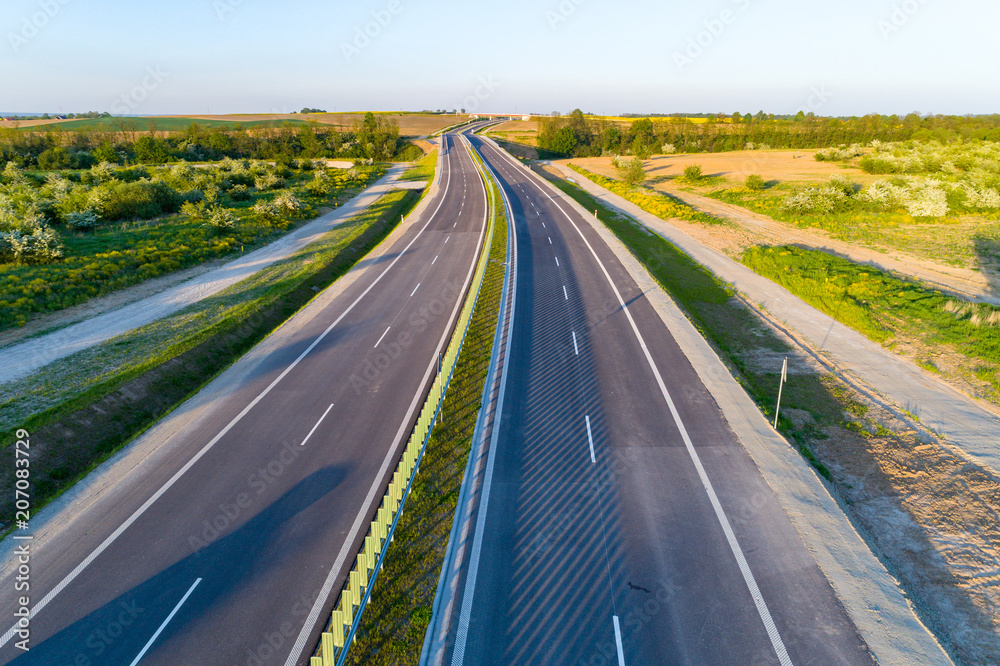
656,203
85,408
394,623
881,306
118,255
423,169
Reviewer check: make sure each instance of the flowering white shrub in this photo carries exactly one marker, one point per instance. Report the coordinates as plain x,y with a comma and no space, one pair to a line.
103,172
980,197
222,219
883,196
38,246
85,219
288,201
13,175
268,181
926,199
266,211
670,149
825,199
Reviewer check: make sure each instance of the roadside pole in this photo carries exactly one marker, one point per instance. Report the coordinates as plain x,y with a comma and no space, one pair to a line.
781,385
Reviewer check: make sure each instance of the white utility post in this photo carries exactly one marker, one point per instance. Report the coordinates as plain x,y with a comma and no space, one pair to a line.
781,385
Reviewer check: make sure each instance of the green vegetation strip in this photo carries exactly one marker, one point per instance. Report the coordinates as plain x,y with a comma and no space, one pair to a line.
148,373
883,307
659,204
399,610
423,169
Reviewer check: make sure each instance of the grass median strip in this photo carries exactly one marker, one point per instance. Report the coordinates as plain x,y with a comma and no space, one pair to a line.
83,408
928,513
399,610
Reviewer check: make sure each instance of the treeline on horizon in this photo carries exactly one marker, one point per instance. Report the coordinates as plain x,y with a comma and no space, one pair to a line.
578,135
374,138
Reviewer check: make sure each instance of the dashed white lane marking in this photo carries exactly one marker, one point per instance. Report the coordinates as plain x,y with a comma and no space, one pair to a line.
317,425
383,337
576,349
618,642
435,259
590,438
565,293
164,625
543,225
557,261
414,290
447,239
550,240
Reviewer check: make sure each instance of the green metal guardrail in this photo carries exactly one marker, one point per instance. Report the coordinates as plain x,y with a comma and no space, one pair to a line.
335,642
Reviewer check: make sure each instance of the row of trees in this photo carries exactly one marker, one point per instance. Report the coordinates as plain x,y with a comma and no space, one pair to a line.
375,137
579,135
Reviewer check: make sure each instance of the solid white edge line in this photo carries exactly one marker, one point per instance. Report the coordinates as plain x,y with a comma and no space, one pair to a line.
338,564
618,642
414,290
590,438
317,425
383,337
575,348
205,449
748,577
163,626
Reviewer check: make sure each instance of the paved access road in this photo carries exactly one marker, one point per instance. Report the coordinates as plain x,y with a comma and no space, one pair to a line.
625,524
230,552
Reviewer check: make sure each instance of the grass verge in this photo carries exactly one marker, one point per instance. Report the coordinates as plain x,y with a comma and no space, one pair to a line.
399,609
422,169
147,373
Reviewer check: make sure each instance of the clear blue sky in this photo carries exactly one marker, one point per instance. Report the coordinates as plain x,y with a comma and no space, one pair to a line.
838,58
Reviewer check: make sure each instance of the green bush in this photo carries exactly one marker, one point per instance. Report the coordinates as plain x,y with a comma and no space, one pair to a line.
630,171
240,193
878,165
693,173
755,182
141,200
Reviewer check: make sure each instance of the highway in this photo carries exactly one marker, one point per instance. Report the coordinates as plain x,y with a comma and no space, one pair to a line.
625,523
230,549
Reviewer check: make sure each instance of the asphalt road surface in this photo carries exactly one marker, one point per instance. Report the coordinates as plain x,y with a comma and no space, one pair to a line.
233,551
625,522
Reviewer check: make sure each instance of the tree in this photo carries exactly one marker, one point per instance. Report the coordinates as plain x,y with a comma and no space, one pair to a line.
564,141
377,137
